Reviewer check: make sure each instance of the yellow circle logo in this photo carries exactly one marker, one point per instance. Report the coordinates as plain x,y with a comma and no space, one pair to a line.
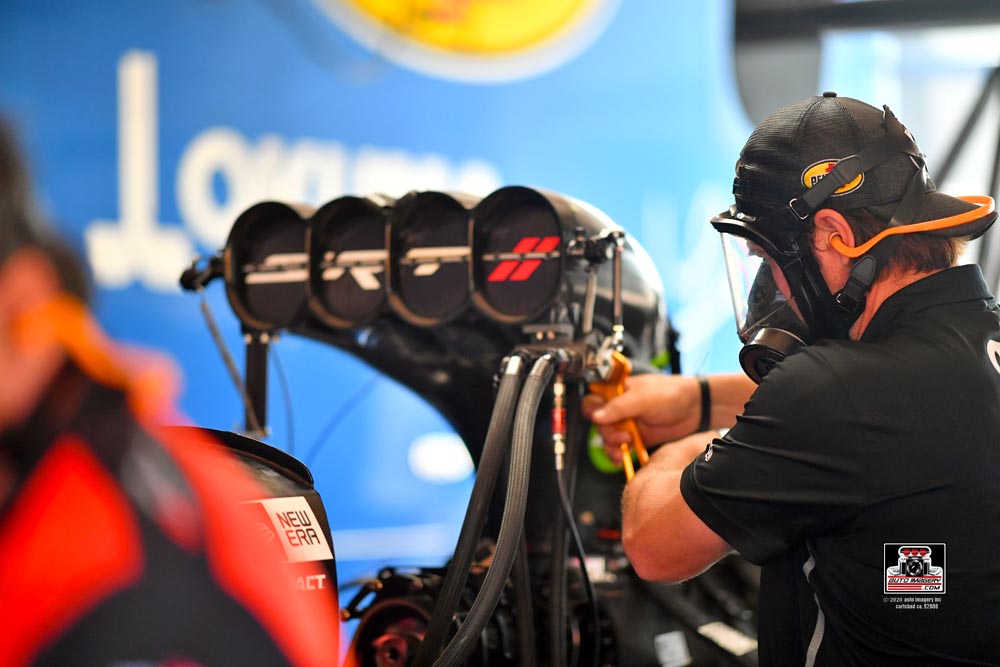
815,172
474,40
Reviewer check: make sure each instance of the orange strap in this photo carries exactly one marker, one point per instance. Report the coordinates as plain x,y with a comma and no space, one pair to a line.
149,381
985,204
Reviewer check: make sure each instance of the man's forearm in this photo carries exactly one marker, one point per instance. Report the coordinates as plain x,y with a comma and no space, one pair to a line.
730,393
663,539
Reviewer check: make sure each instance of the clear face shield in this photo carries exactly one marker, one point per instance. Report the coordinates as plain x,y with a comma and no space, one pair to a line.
768,320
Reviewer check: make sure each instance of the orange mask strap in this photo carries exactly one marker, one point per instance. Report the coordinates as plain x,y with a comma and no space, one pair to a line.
985,204
149,381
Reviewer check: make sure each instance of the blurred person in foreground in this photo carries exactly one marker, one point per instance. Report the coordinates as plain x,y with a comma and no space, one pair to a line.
120,544
861,472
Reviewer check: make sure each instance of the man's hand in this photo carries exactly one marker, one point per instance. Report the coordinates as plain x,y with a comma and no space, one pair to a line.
665,407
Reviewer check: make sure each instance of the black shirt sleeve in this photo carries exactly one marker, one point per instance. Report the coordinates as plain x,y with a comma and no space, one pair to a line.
789,468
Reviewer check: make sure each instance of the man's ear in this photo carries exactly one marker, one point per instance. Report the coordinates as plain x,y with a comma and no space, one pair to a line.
27,279
830,223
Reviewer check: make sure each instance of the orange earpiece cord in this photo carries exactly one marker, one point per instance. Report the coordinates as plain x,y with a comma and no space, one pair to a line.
149,382
985,203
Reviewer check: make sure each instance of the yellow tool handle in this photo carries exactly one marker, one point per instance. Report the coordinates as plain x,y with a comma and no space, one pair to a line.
627,462
637,443
615,386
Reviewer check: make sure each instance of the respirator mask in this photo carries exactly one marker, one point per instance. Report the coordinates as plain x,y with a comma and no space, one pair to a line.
774,302
824,152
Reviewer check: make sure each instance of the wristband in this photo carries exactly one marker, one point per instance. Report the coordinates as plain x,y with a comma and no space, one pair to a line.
706,404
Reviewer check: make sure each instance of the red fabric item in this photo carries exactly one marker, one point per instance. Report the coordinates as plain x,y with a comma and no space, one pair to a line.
238,557
69,541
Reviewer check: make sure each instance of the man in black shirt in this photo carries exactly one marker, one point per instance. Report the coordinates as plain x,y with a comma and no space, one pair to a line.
861,472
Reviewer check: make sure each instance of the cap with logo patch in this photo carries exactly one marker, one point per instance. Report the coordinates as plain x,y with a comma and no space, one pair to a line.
798,146
824,152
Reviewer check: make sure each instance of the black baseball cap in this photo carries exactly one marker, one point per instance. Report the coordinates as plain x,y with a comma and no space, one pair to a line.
20,224
16,211
795,147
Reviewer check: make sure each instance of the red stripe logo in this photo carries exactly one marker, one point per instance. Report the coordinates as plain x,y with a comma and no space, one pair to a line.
519,270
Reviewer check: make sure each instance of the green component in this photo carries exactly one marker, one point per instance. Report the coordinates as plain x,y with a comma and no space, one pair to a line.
595,443
598,457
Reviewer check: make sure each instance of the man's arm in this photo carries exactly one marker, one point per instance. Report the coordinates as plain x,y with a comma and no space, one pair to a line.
730,393
663,538
666,407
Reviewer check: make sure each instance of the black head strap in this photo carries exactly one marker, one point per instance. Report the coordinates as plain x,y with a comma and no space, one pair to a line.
895,141
851,299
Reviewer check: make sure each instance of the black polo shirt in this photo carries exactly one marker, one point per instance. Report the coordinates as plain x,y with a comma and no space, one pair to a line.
864,477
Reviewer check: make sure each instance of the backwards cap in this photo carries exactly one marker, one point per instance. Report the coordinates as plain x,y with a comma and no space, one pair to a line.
801,144
15,196
20,225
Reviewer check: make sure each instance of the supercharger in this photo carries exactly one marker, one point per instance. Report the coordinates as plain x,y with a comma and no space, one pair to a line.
498,311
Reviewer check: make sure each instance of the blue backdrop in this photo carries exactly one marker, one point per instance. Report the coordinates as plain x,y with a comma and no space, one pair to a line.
150,125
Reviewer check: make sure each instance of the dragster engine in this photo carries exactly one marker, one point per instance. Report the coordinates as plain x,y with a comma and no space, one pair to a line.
498,311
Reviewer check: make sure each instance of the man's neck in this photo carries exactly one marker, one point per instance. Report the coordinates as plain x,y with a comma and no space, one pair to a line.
8,480
879,292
